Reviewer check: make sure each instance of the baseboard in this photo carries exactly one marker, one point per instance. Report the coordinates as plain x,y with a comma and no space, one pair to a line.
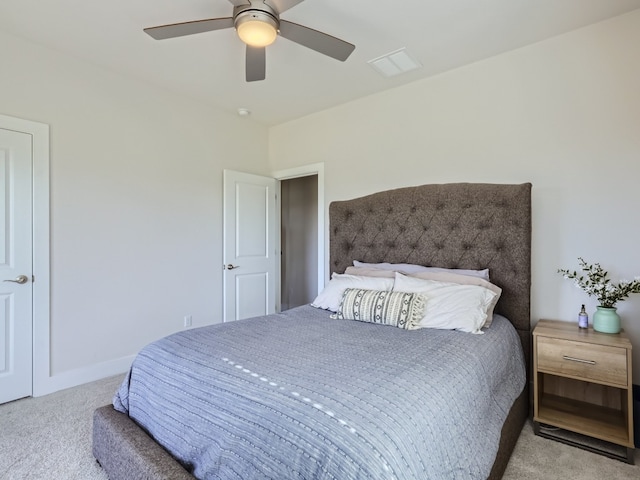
79,376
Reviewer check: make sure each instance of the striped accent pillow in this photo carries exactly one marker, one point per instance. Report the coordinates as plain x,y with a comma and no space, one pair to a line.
400,309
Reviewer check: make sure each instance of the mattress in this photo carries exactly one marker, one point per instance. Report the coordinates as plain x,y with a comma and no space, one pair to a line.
300,395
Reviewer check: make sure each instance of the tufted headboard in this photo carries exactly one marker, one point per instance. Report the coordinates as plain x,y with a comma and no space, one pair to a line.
457,225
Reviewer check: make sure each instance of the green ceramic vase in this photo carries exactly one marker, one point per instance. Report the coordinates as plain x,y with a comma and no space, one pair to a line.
606,320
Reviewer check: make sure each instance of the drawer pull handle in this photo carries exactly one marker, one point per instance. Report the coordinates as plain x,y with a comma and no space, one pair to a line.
579,360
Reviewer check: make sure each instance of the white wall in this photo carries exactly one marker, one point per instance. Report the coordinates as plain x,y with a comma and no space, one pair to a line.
563,114
136,204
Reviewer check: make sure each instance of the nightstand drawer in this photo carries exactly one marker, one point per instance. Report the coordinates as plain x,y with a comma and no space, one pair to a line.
596,363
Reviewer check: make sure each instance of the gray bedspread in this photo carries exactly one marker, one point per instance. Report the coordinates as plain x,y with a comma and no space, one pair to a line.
298,395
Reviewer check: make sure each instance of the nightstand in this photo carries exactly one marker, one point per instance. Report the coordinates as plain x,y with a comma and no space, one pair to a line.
582,384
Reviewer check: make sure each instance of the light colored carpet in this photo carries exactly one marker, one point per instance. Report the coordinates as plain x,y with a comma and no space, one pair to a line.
50,438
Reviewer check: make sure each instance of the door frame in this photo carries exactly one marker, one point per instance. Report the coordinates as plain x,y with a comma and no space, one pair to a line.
297,172
40,243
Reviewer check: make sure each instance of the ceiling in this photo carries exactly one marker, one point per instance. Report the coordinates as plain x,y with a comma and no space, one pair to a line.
209,67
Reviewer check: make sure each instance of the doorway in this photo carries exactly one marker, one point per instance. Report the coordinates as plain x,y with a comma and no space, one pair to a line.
307,259
16,314
25,223
298,241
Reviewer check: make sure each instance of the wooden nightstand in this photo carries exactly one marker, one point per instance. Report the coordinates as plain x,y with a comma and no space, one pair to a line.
582,383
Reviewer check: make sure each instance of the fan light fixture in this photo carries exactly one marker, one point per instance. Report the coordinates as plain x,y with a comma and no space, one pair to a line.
256,29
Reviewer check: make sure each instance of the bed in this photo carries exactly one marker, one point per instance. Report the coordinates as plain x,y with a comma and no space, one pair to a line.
329,430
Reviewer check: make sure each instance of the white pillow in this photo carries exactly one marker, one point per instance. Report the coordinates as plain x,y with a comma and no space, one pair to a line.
331,295
449,306
409,269
447,277
466,280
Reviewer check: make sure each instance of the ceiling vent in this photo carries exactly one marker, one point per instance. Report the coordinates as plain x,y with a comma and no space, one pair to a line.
394,63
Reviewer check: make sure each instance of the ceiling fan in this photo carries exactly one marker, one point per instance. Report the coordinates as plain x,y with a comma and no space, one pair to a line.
258,24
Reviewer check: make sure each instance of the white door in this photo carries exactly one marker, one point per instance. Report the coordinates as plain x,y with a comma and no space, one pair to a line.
15,265
250,250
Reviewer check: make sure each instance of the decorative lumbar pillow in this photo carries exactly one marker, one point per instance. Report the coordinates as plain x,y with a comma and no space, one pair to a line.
400,309
410,269
331,295
449,306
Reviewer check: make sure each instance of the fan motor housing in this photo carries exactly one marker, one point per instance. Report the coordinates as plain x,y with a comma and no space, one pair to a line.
255,15
257,11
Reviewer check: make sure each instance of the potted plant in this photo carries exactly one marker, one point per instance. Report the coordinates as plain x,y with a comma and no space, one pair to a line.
595,282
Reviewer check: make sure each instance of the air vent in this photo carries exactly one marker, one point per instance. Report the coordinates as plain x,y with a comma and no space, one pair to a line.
394,63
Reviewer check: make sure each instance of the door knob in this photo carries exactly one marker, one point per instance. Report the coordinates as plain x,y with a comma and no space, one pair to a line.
230,266
19,279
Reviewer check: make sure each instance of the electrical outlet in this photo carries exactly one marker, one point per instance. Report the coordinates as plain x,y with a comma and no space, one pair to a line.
187,321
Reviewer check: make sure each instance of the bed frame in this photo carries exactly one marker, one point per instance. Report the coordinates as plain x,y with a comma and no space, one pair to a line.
459,225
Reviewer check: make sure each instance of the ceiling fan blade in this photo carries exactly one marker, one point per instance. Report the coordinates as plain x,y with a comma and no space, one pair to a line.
281,5
315,40
256,63
189,28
